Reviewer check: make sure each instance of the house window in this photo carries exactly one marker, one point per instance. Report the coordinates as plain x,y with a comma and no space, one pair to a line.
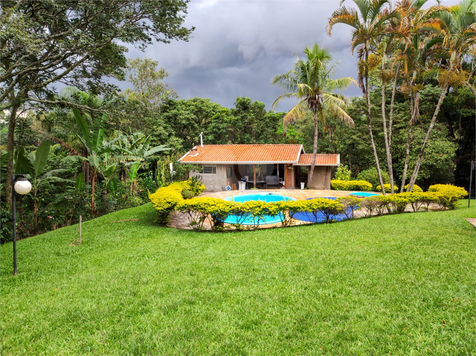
304,169
229,172
209,170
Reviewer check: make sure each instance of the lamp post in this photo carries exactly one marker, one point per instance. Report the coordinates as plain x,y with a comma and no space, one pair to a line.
22,186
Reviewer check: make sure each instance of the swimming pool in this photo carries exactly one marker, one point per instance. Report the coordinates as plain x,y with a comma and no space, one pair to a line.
363,194
267,198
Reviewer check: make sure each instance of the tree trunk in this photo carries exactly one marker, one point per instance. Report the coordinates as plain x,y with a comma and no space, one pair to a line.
369,123
392,106
314,152
414,105
385,134
390,128
10,150
407,157
427,137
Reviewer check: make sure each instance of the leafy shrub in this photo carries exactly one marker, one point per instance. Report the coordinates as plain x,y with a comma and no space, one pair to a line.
448,194
187,194
398,202
349,205
388,189
448,188
342,173
199,210
427,198
330,208
416,188
194,185
371,175
166,198
369,206
351,185
415,199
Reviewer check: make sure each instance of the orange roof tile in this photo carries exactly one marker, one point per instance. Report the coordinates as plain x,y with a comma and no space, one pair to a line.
321,159
249,154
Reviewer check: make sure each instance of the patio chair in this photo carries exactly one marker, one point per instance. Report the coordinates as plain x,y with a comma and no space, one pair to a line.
272,180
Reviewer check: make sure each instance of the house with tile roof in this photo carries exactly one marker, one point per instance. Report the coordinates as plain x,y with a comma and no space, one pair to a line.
260,165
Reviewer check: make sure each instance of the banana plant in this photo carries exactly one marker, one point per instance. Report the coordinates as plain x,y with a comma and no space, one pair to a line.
33,165
132,174
96,149
134,150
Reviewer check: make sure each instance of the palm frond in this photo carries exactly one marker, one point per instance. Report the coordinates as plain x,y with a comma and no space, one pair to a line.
297,112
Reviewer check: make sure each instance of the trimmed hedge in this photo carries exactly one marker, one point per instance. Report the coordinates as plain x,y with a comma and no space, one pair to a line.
448,194
361,185
165,199
216,211
416,188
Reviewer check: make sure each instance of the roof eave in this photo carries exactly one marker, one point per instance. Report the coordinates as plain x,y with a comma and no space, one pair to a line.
185,155
238,162
317,165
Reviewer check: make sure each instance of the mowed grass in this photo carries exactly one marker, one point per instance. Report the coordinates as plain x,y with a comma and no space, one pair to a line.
400,284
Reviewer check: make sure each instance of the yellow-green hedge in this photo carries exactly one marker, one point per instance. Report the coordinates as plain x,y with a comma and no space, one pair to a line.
216,211
416,188
361,185
448,194
166,198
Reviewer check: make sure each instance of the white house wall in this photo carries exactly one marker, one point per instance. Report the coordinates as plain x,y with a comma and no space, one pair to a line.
321,179
213,182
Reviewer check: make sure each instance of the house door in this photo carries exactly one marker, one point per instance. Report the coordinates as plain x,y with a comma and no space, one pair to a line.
289,176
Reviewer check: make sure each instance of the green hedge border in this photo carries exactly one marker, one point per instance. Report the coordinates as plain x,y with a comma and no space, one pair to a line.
215,211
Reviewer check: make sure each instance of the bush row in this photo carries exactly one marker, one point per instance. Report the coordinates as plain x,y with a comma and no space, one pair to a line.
215,211
361,185
388,189
165,199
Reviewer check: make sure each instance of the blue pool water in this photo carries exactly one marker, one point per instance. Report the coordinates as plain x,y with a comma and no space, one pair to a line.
267,198
363,194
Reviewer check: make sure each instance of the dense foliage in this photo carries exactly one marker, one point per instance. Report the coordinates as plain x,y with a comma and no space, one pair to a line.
118,146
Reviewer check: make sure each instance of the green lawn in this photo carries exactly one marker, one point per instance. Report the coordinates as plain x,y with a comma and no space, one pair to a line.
401,284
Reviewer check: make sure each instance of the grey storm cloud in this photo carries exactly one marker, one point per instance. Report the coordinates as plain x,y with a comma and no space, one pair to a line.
239,45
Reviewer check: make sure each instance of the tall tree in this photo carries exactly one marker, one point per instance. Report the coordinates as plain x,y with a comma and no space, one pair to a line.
368,26
454,35
148,81
309,81
76,42
407,36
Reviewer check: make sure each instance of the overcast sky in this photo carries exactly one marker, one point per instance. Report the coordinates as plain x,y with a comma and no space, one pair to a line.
239,45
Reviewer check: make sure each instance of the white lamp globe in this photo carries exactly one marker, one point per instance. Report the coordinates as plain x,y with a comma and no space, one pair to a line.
22,187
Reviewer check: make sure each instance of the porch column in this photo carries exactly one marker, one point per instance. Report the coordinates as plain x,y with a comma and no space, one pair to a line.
254,175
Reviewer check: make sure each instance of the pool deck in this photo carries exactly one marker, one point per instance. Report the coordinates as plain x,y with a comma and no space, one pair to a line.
299,194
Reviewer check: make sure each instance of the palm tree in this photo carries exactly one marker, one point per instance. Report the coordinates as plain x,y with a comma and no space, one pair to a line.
369,25
454,36
408,59
309,81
